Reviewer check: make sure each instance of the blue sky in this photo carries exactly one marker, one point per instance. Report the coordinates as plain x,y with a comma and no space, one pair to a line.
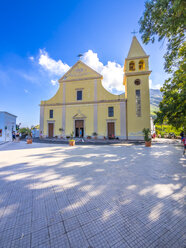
41,39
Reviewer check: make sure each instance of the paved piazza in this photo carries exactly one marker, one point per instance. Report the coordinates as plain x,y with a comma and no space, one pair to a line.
118,196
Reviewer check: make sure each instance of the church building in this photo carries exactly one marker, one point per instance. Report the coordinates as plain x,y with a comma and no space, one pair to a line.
82,106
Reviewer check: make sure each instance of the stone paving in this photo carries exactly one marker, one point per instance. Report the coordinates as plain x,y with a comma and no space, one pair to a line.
117,196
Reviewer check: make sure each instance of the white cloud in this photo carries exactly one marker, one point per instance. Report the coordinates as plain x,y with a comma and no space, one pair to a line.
31,78
52,66
152,86
112,72
150,83
54,82
26,91
31,58
157,86
92,60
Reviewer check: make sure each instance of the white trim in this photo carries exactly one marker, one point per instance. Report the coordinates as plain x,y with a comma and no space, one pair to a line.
76,94
63,78
7,113
64,92
135,137
95,90
122,137
64,118
123,119
64,108
84,121
95,118
113,121
84,103
53,122
41,126
95,108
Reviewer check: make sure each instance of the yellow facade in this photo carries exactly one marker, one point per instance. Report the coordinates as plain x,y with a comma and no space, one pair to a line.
135,124
83,106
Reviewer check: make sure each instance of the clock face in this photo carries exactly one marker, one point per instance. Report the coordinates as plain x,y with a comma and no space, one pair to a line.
137,82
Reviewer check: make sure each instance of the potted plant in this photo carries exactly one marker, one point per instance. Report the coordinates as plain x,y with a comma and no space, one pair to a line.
95,135
146,132
29,137
71,141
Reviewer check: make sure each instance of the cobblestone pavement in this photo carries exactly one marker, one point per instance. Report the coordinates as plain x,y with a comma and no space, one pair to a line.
119,196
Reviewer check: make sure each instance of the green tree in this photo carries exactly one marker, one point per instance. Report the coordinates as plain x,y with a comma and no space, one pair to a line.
24,130
166,20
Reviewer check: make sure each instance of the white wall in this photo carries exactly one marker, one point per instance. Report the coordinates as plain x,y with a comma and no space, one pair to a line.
9,121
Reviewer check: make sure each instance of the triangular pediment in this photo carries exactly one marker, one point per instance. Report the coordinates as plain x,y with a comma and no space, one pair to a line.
80,71
79,115
136,49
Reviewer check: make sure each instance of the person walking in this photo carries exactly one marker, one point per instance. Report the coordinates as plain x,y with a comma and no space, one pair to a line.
13,136
184,144
80,133
182,135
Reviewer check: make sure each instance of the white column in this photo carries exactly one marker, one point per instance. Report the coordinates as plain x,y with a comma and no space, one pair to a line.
64,107
123,120
95,107
41,129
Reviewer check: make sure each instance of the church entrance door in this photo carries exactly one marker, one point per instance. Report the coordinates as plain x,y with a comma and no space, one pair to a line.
50,130
111,130
79,128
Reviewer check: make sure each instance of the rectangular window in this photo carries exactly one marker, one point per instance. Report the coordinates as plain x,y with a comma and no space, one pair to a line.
79,95
51,113
138,103
110,111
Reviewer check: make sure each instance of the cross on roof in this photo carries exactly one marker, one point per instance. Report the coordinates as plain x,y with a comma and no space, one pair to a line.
134,32
80,55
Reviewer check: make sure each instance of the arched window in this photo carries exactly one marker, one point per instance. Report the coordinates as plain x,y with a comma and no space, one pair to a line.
137,82
132,66
141,65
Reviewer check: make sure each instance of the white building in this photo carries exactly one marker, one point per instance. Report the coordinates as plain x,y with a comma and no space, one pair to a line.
7,126
35,133
153,130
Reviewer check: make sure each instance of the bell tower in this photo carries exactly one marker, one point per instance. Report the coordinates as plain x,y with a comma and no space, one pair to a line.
136,81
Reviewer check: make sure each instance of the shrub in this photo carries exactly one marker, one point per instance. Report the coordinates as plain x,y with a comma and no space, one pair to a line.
166,129
146,132
72,134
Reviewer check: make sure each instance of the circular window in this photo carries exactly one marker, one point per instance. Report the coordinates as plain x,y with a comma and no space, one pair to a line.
137,82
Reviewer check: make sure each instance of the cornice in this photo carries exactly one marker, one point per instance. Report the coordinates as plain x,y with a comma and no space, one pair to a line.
79,79
139,57
128,74
82,103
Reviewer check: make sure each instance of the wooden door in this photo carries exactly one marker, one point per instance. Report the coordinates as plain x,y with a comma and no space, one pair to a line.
111,129
50,130
79,128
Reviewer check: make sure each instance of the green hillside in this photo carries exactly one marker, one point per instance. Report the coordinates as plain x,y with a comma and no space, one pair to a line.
155,99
